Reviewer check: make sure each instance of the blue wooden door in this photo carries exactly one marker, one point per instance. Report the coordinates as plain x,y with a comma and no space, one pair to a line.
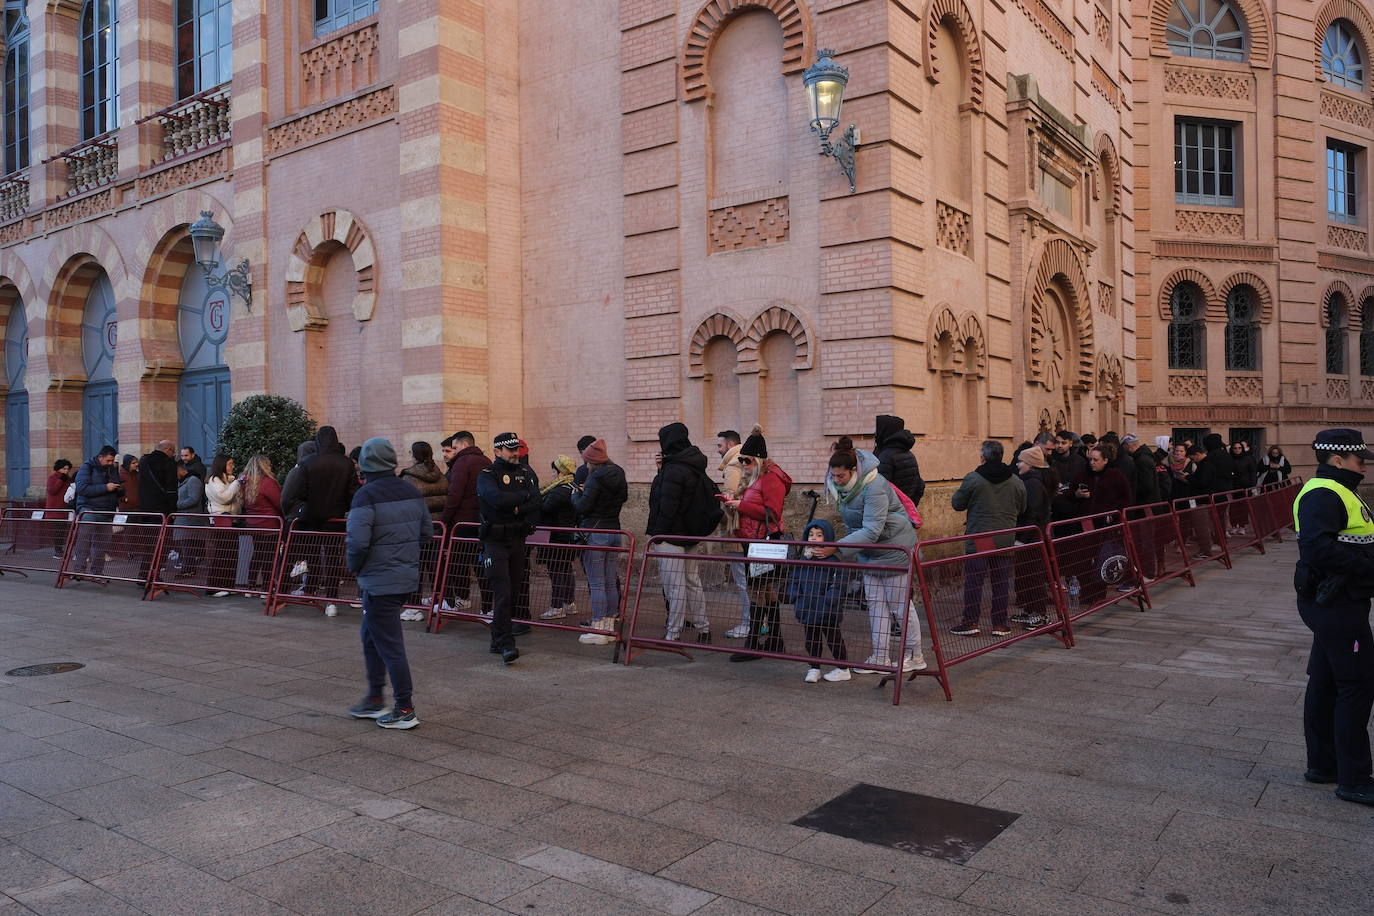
100,415
17,443
202,404
100,403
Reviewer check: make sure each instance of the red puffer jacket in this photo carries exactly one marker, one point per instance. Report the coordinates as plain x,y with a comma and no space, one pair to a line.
766,493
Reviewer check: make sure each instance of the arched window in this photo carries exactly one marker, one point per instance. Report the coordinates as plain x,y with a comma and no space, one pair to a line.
205,44
1342,58
1242,338
1185,327
1206,28
1367,337
99,68
16,87
335,14
1335,334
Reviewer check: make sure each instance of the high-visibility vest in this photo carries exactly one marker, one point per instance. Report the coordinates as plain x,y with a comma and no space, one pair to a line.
1359,523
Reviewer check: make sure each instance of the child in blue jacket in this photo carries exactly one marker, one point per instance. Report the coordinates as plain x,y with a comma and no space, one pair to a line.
817,594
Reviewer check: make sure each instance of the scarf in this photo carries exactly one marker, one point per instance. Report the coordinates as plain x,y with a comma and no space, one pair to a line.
845,494
565,468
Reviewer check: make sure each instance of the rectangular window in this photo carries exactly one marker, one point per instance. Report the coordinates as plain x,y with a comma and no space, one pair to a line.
1057,195
331,15
205,45
1341,187
1204,163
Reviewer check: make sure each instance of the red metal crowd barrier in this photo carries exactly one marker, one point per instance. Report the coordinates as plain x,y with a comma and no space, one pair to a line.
1198,522
34,540
1160,548
1235,514
212,554
313,572
113,547
559,599
1096,552
432,558
1017,581
731,602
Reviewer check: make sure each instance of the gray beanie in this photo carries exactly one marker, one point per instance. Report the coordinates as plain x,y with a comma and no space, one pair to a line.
377,456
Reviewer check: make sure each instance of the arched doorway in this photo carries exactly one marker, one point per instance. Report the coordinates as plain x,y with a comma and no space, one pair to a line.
203,392
17,401
100,400
1058,347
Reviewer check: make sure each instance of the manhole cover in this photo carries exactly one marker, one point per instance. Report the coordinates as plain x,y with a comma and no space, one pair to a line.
920,824
40,670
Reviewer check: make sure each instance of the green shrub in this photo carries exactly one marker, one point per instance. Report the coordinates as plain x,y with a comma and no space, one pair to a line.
266,424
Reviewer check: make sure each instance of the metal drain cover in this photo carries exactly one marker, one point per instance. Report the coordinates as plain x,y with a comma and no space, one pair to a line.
919,824
40,670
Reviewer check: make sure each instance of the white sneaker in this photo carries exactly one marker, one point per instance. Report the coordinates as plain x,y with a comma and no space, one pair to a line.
872,660
459,604
914,663
412,614
331,610
813,675
672,635
570,608
299,569
220,594
598,639
299,590
445,606
739,632
835,675
553,613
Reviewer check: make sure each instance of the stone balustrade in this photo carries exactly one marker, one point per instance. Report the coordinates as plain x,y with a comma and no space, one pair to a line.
14,196
194,123
91,163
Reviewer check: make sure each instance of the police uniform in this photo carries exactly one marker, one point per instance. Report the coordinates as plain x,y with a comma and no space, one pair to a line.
1334,580
508,495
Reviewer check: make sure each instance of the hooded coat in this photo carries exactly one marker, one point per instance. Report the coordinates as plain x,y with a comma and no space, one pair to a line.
431,483
994,498
326,483
760,507
676,485
892,446
292,482
870,509
1221,464
387,527
817,591
157,483
603,494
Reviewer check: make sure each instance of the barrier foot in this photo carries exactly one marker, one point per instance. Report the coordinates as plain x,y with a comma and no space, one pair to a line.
632,651
17,572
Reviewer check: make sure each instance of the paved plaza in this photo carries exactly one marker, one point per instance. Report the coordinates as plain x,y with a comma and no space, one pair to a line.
200,763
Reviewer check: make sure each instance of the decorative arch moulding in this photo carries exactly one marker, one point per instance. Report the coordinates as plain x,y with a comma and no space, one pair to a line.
793,15
1106,154
1264,299
1333,288
967,345
1197,278
1059,261
1340,9
955,14
748,338
1257,29
305,267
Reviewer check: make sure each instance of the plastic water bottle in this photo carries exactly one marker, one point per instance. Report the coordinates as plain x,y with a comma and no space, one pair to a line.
1074,591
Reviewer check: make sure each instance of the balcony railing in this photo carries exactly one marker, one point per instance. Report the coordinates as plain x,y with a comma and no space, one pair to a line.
91,163
14,196
193,123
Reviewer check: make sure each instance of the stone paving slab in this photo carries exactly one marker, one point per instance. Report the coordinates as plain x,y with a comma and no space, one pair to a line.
201,763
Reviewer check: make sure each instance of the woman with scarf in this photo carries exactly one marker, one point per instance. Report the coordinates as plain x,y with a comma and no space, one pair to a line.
1273,467
759,508
876,520
558,512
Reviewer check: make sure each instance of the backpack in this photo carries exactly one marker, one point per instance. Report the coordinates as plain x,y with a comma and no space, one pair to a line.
911,511
705,511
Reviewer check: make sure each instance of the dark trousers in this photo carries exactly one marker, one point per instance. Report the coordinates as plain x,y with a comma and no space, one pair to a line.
1340,690
1031,587
830,633
506,576
976,572
384,647
559,562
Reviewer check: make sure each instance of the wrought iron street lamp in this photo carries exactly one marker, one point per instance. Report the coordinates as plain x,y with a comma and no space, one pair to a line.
825,81
206,235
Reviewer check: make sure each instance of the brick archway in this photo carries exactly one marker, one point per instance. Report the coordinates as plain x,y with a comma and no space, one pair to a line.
305,268
1060,267
1257,34
957,16
1349,10
693,66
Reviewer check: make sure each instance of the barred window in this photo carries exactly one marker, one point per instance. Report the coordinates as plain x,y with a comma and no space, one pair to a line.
335,14
1206,28
1335,334
1204,163
99,68
16,87
1367,337
1242,333
1341,190
1342,58
1186,328
205,45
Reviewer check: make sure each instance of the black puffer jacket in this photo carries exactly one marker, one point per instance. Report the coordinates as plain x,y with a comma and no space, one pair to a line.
675,486
558,512
326,482
1221,464
603,495
892,446
1146,482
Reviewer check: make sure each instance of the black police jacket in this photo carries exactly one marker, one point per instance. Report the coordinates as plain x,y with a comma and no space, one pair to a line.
1321,517
508,495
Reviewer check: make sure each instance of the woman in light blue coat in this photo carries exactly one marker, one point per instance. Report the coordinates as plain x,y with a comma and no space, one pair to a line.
876,518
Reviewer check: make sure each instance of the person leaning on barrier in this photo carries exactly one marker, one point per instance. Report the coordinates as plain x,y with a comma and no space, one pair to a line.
759,509
994,498
509,496
598,501
876,519
1334,580
387,528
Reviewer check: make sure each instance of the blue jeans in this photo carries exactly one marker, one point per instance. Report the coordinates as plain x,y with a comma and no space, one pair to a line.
976,572
600,566
384,648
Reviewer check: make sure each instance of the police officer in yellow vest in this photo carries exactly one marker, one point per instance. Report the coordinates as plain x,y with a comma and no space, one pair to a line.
1334,580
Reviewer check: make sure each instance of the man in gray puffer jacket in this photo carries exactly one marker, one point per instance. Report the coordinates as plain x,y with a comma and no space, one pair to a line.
993,496
387,526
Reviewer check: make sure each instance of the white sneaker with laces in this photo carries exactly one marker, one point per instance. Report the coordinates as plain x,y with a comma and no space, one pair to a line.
872,660
914,663
553,613
598,639
813,675
445,606
412,614
460,604
739,632
835,675
331,610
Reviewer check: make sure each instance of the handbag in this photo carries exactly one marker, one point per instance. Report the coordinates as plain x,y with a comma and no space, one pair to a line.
767,549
